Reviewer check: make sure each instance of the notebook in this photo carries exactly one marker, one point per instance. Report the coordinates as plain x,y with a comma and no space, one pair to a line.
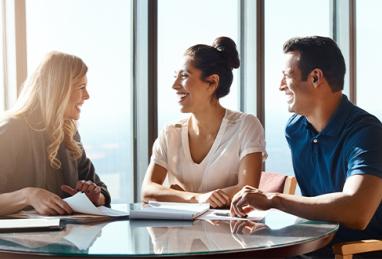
167,210
28,225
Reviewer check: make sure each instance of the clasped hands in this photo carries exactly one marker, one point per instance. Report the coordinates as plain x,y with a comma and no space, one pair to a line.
48,203
216,198
244,201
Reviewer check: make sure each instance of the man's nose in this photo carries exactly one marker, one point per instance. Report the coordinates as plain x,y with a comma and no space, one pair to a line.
282,85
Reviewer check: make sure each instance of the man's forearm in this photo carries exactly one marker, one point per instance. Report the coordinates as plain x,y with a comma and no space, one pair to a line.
336,207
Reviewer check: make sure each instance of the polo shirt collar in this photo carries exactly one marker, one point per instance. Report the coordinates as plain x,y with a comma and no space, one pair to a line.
337,121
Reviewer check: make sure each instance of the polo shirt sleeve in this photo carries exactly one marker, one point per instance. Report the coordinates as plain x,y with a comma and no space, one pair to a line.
159,151
252,137
365,152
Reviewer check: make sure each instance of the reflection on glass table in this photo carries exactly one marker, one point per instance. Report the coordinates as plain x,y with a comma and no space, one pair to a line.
279,234
235,235
74,238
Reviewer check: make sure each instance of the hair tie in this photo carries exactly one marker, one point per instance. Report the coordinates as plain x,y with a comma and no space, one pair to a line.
220,48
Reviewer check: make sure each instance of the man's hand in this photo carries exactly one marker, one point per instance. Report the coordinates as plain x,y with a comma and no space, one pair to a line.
247,199
47,203
216,198
91,190
246,227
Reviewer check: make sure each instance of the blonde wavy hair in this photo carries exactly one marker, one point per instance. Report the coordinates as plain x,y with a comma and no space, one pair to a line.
47,92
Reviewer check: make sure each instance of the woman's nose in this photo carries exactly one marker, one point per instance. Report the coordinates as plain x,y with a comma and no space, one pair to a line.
175,84
86,95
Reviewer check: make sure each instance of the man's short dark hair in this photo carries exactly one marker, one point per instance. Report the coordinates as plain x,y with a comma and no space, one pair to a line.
319,52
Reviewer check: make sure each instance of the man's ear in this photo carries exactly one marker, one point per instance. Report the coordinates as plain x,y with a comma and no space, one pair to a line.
316,76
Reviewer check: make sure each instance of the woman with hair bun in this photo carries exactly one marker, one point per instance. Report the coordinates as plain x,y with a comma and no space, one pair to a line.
213,153
41,156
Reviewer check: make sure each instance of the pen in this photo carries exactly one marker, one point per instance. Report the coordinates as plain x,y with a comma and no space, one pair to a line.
222,214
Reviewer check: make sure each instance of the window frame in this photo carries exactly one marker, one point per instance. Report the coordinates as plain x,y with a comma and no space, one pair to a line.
145,44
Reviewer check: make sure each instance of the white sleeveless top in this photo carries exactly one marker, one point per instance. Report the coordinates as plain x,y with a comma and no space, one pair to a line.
239,134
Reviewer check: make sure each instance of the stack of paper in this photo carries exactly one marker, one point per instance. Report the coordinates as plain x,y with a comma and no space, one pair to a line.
168,210
86,212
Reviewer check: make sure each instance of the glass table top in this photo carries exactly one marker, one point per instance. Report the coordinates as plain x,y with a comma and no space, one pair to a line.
166,238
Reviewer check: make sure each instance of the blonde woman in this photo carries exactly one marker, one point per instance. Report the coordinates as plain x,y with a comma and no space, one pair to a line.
41,156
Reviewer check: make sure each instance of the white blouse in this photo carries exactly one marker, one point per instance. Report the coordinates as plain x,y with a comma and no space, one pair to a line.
239,134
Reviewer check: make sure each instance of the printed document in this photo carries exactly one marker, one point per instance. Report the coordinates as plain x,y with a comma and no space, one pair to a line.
167,210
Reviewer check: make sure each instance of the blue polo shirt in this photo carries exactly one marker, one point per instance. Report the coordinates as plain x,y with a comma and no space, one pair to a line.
350,144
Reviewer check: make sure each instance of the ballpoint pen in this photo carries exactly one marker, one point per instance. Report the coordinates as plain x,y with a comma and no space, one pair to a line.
222,214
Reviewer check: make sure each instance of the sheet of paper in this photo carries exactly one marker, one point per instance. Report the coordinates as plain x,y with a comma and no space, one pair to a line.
81,203
111,212
277,219
214,214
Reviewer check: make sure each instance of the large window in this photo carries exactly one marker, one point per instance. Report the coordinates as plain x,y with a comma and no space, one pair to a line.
283,20
369,56
98,31
2,87
182,24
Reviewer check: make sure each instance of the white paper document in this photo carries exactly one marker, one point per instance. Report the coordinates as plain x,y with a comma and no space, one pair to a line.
86,212
81,203
277,219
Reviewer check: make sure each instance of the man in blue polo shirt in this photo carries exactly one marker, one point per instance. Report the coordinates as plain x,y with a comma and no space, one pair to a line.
336,146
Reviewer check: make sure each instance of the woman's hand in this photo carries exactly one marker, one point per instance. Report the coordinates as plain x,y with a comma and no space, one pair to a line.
216,198
46,202
91,190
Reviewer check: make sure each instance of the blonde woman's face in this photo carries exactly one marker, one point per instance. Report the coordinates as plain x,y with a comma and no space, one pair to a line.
77,98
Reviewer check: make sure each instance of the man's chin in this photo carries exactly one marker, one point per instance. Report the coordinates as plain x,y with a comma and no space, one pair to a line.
291,109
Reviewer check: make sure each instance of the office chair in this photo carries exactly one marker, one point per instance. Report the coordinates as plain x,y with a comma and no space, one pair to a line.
346,250
276,182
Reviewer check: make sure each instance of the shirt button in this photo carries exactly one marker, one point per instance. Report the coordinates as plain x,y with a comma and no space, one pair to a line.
315,140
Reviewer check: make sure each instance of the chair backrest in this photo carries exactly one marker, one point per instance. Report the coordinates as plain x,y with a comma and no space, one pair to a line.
276,182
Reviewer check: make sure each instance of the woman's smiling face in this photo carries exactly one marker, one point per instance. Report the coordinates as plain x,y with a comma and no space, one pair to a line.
78,96
192,91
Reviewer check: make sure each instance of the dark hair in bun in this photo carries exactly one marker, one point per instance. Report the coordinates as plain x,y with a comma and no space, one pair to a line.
220,58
